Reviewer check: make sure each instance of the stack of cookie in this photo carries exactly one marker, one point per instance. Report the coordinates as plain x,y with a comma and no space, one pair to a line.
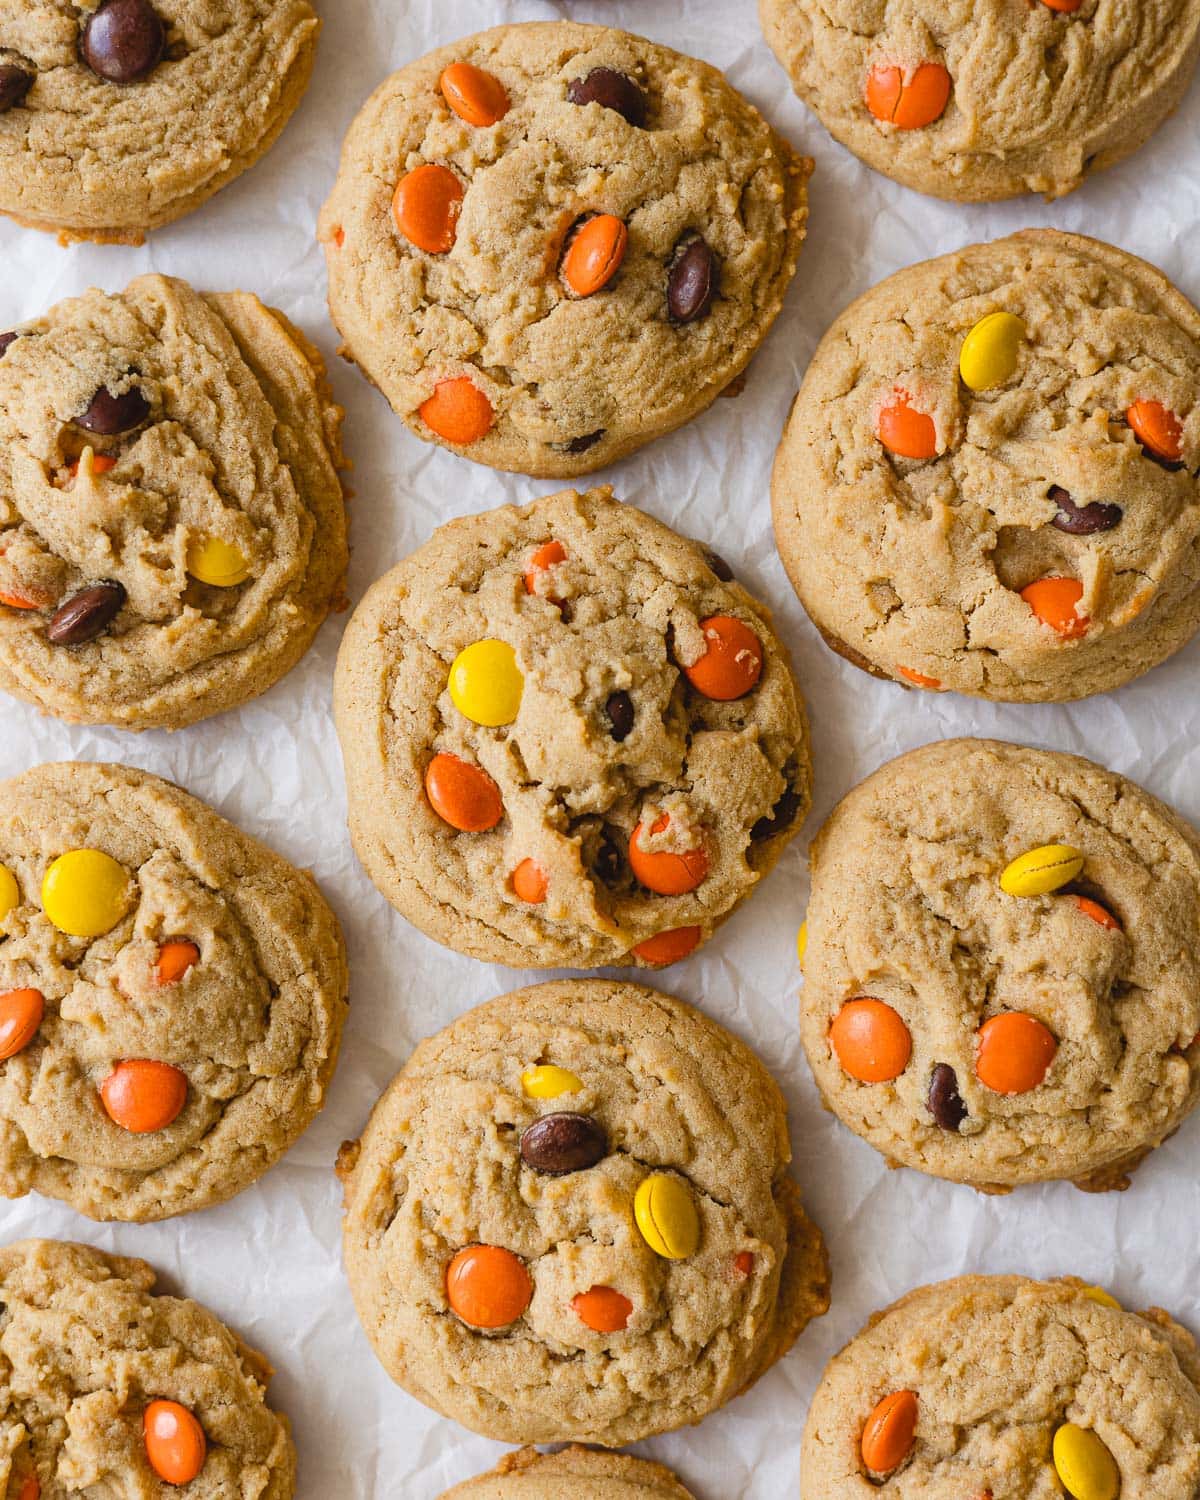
573,738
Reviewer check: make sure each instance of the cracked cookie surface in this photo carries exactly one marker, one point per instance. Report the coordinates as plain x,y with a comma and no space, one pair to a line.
103,160
581,1473
169,481
1037,96
907,908
998,1364
444,1164
240,1026
927,570
567,383
87,1345
610,735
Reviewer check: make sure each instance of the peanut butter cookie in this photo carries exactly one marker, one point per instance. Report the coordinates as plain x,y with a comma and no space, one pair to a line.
577,1473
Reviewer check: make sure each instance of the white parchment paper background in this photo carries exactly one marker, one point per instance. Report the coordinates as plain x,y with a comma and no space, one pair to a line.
268,1262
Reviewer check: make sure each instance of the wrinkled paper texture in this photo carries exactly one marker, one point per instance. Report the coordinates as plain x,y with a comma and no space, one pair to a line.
268,1262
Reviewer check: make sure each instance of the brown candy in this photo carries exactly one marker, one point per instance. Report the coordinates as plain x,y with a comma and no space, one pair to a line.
781,817
123,40
5,340
718,564
561,1143
1083,520
944,1100
86,614
692,282
610,90
15,83
619,709
108,415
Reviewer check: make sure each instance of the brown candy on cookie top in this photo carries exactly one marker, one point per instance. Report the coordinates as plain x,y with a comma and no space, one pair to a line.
122,40
568,740
594,233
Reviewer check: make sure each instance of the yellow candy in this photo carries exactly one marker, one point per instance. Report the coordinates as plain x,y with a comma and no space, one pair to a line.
216,562
486,683
666,1216
10,892
1098,1294
989,352
802,942
85,892
1085,1466
547,1082
1041,870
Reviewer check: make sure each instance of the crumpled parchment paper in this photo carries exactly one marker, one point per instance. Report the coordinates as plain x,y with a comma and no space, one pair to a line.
269,1261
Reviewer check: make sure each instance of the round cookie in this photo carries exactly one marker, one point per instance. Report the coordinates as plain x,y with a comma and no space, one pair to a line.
1002,977
550,243
540,771
1016,1387
172,996
988,482
573,1474
172,526
91,1354
569,1218
975,100
119,116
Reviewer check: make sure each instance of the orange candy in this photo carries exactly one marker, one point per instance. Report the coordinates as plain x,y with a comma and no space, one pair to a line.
426,206
733,662
175,1442
142,1096
603,1309
476,96
19,601
871,1041
1053,601
1066,7
530,882
1014,1052
595,254
462,794
31,1488
1098,913
101,463
1157,428
21,1013
175,957
905,431
665,873
458,411
488,1287
888,1436
912,104
743,1264
668,947
545,557
918,679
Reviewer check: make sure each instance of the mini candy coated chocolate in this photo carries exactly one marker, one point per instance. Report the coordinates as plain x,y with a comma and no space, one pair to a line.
990,351
217,563
123,40
86,615
486,683
546,1081
85,892
613,90
1084,1464
175,1442
1040,871
560,1143
21,1013
665,1210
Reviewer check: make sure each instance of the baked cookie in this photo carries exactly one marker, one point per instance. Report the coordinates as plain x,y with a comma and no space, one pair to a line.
570,738
172,526
570,1219
989,480
112,1389
1014,1389
981,99
1002,977
118,116
572,1474
550,243
171,996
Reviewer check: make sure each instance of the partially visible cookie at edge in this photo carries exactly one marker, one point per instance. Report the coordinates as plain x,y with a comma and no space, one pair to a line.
115,1388
990,480
1008,1387
581,1473
975,100
571,737
570,1218
172,996
550,243
120,116
172,523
